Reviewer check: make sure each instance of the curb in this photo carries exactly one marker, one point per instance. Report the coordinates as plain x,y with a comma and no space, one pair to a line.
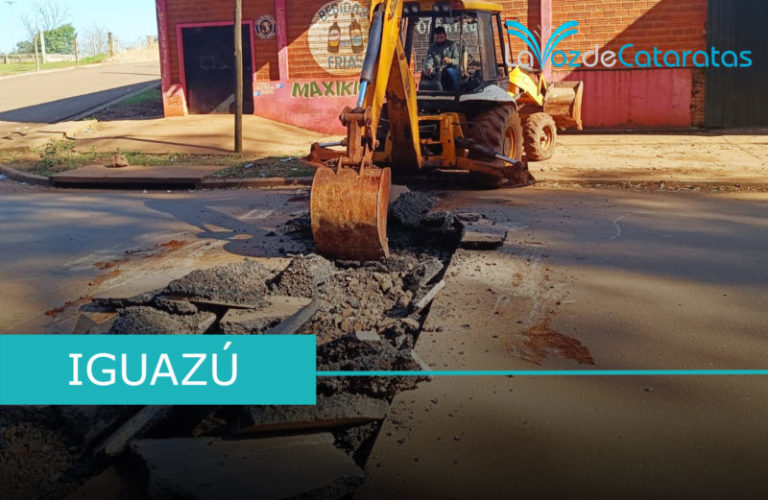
24,177
264,182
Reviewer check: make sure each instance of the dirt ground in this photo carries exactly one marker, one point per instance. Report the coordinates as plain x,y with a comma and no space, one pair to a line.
197,134
693,158
688,158
684,160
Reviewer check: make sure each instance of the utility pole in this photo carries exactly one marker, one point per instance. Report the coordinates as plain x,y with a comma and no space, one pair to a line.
42,46
77,52
37,61
238,76
111,44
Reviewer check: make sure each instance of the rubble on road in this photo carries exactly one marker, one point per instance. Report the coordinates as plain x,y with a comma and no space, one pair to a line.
339,410
86,424
481,234
411,208
366,316
303,466
134,427
237,284
294,323
144,320
304,276
251,321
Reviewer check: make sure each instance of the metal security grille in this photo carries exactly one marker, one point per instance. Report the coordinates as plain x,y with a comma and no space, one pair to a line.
735,97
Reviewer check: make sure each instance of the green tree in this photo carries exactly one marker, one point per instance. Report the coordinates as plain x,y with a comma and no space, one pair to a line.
60,40
24,47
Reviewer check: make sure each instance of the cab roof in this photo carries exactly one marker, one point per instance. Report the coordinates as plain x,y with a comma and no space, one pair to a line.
428,5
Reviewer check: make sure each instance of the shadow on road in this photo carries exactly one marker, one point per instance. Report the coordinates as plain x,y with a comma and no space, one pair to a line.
259,235
63,109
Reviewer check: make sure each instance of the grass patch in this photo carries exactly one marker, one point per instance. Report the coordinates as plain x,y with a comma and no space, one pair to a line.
142,105
60,155
273,166
9,69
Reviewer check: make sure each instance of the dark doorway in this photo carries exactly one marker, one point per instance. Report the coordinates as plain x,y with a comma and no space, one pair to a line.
209,69
736,96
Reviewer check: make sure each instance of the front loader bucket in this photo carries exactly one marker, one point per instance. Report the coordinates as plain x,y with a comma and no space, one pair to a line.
349,212
562,101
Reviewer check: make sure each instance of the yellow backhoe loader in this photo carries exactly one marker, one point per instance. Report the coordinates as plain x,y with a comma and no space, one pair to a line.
407,119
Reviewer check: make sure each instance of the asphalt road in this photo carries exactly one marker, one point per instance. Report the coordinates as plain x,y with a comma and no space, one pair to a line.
50,97
588,278
56,242
592,279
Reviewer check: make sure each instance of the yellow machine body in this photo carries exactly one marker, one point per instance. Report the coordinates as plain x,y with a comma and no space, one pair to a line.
350,192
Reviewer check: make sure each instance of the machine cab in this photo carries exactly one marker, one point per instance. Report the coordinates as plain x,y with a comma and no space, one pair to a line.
474,33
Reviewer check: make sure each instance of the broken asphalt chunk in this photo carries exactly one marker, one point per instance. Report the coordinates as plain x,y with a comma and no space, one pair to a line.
144,320
240,284
329,412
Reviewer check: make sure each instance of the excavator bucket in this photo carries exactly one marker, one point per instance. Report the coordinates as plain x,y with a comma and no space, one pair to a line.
562,101
348,208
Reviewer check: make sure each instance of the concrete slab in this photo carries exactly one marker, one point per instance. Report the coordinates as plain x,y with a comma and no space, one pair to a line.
135,175
241,321
305,466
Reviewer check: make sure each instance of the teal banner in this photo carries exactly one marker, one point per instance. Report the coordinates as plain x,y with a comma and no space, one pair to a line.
157,369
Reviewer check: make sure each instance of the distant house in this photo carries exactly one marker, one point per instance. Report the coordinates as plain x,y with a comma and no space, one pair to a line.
302,58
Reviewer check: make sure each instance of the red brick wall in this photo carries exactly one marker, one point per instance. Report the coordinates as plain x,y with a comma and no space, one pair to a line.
300,60
667,24
609,24
206,11
526,12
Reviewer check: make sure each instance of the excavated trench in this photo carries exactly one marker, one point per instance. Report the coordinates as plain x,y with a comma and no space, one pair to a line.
366,316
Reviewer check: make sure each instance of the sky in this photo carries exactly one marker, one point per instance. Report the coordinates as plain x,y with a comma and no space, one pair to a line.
127,20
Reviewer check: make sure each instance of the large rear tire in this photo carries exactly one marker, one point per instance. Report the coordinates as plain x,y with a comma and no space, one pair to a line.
539,135
499,129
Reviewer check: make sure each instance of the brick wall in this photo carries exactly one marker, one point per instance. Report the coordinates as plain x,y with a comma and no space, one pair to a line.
667,24
207,11
526,13
609,24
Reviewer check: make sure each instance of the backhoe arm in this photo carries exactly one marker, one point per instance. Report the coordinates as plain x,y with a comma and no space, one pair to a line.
350,196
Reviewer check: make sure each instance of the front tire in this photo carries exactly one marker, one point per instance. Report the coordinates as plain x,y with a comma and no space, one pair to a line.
539,135
499,129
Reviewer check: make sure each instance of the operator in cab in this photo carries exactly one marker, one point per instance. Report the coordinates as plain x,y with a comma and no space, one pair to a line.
443,53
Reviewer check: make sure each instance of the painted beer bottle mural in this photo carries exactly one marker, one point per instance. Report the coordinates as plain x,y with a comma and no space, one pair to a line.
356,36
334,36
337,37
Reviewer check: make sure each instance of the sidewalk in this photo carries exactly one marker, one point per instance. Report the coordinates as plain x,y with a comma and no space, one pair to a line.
17,135
683,160
198,134
688,158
